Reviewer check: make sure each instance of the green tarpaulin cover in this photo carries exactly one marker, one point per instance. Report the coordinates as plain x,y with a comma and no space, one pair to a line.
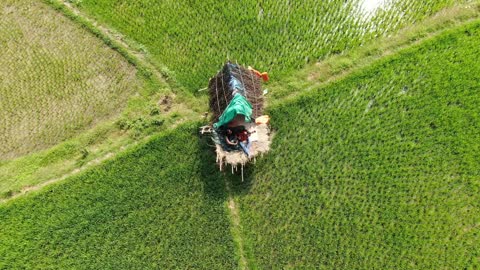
238,105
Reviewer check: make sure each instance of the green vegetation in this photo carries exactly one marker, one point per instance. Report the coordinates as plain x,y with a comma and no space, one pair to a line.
374,162
191,38
339,66
160,206
57,79
143,114
376,171
68,100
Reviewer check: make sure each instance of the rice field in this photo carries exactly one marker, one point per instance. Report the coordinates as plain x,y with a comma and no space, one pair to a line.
56,78
192,39
161,206
376,171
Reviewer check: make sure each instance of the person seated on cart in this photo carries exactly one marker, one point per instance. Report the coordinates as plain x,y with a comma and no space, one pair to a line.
238,136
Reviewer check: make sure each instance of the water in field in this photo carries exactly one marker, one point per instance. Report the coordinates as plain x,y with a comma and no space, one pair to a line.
371,5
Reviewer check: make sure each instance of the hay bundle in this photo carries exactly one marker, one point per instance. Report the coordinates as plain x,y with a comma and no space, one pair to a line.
221,90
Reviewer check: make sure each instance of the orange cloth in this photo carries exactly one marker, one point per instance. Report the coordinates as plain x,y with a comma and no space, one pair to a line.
263,75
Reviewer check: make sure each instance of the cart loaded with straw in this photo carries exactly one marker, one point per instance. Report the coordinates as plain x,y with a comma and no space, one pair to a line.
239,129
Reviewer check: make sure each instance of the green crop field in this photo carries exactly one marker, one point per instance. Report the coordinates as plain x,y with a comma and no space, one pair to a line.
56,79
374,162
377,171
158,207
191,38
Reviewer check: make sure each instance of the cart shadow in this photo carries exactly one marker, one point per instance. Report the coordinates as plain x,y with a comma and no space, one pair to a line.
219,183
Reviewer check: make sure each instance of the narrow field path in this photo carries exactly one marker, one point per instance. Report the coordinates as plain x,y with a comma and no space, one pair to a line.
89,165
28,189
236,228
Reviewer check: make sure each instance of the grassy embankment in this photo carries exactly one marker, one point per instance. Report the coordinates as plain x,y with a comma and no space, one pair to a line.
377,170
159,206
